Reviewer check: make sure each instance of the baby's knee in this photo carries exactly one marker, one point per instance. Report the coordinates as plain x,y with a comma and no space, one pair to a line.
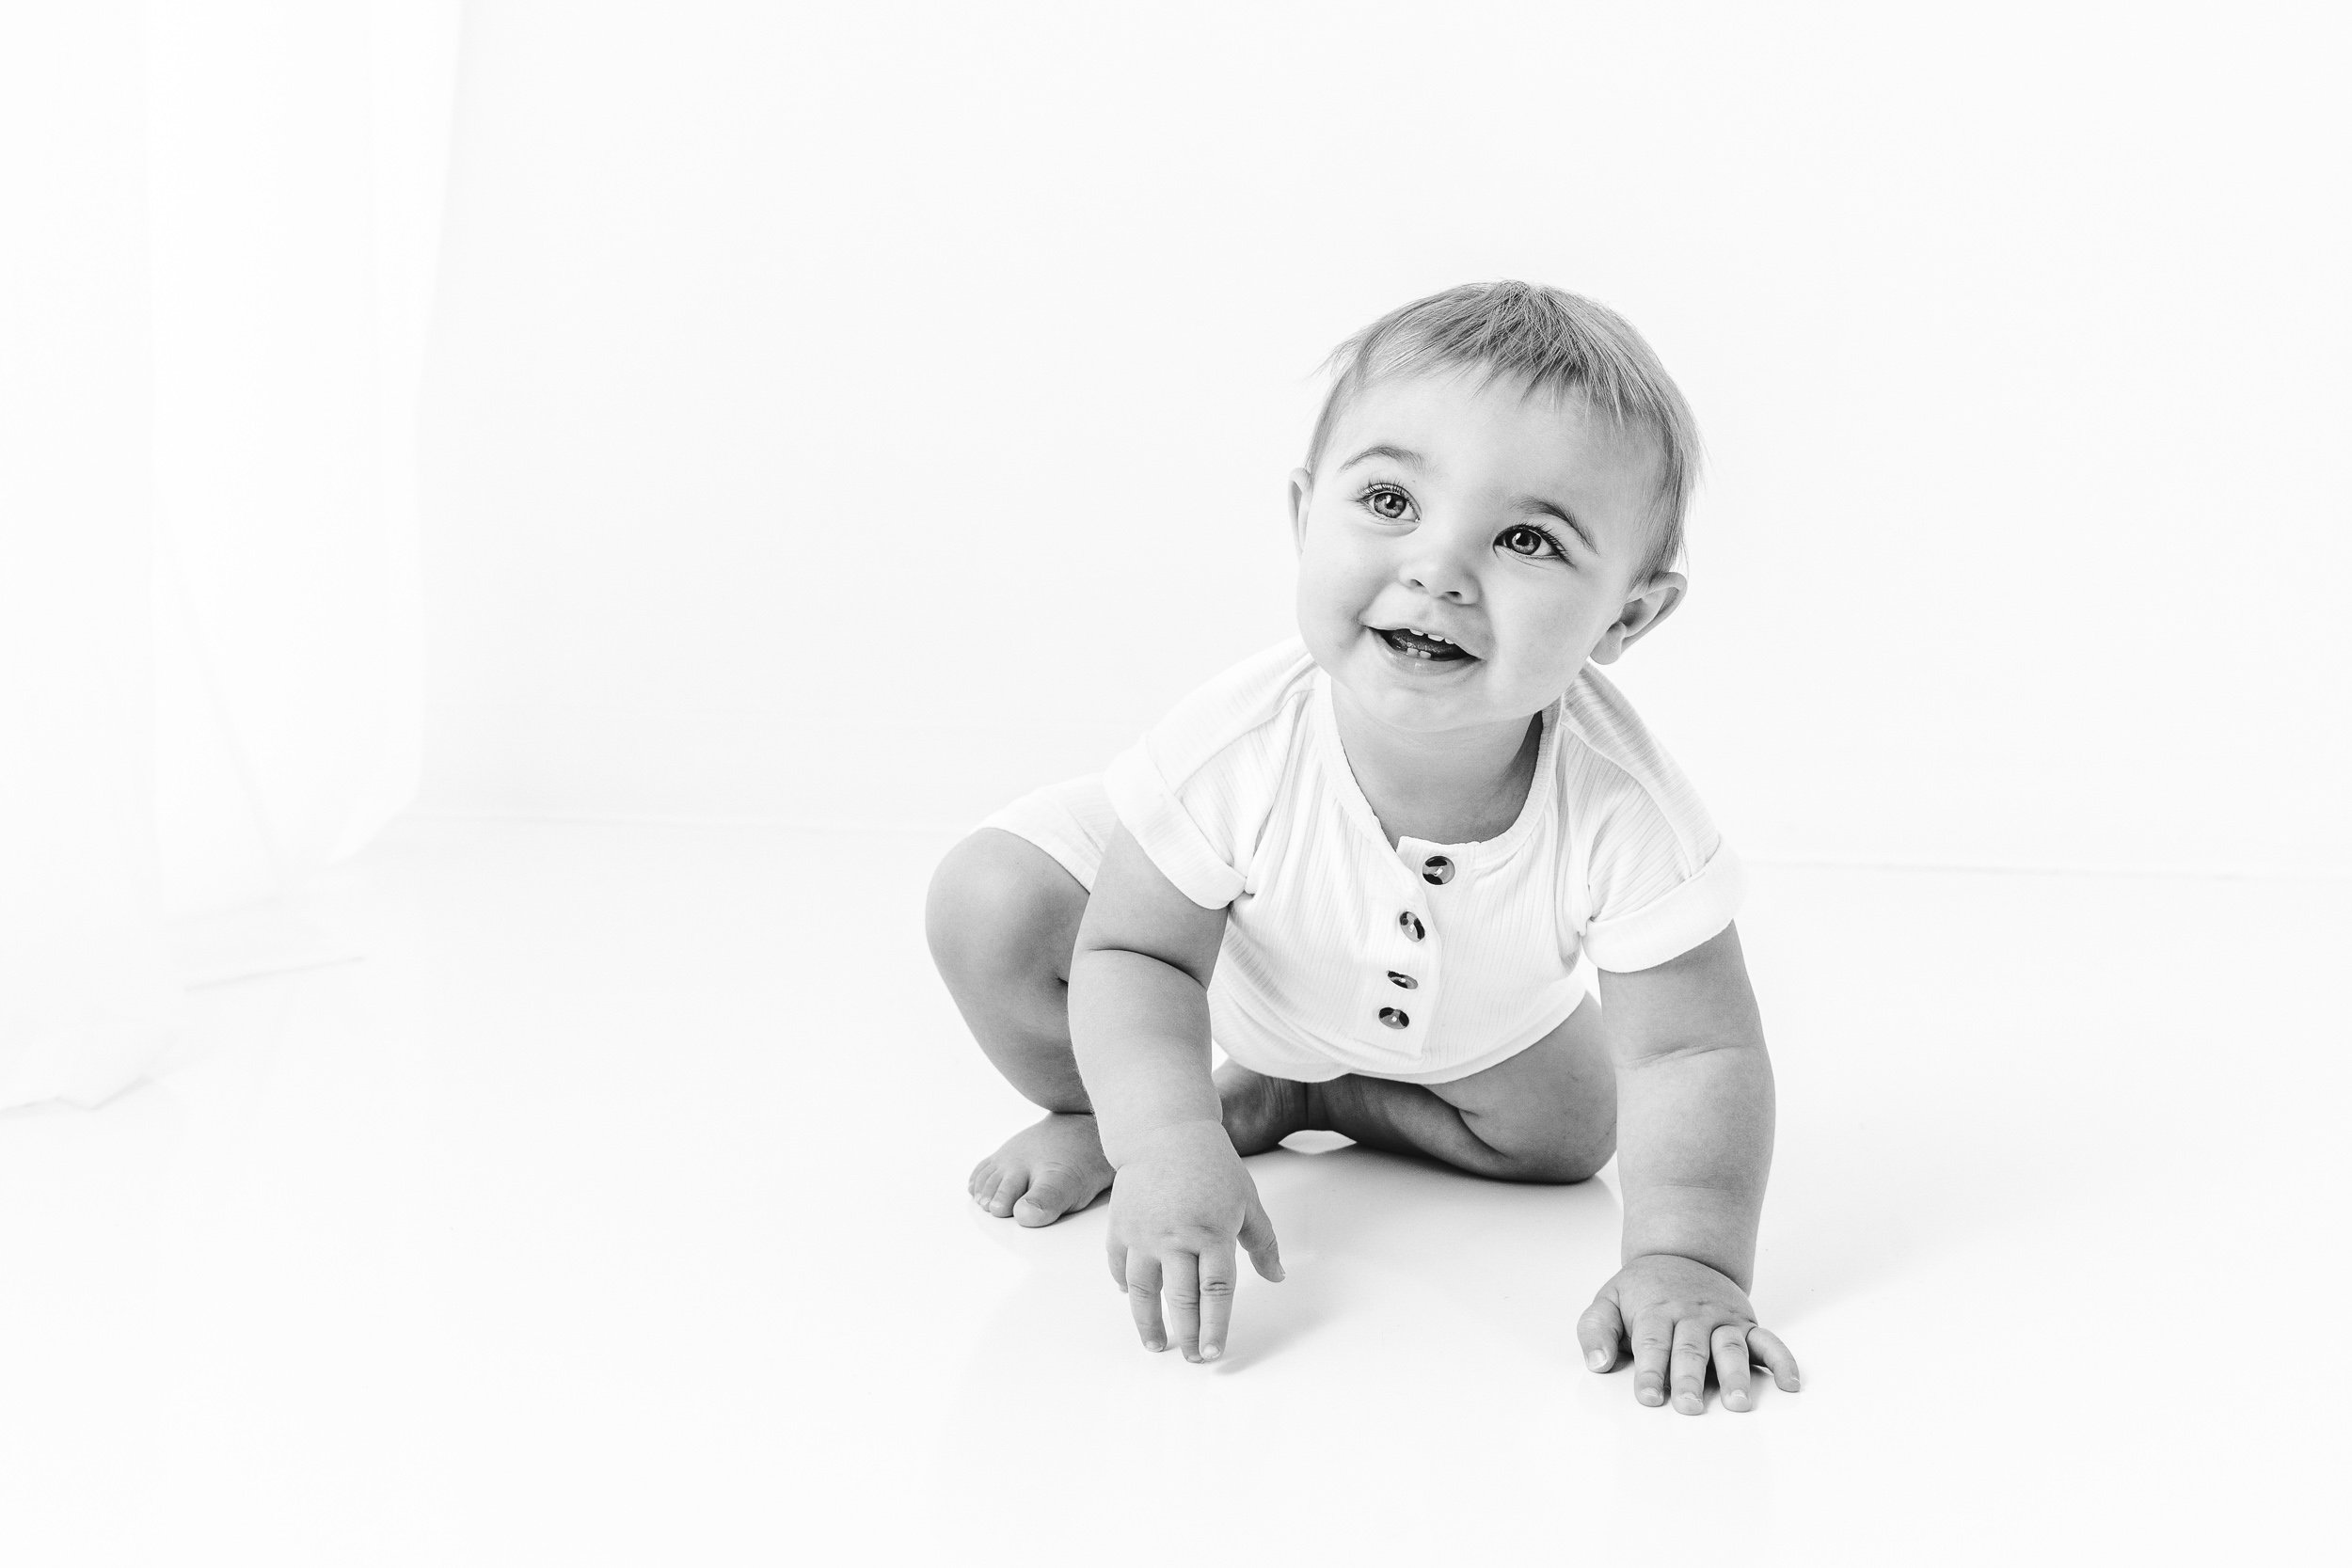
1562,1161
998,905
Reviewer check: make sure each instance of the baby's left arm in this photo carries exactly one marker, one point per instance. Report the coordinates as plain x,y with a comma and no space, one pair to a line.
1694,1141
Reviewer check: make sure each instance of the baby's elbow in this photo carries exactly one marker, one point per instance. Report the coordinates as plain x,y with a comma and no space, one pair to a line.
1741,1047
1097,960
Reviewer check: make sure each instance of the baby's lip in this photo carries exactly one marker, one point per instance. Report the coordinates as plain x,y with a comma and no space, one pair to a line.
1438,632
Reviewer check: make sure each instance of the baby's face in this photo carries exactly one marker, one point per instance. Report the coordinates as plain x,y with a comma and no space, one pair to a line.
1508,526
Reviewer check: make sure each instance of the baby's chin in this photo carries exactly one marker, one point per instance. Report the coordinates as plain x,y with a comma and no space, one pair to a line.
1424,720
1430,697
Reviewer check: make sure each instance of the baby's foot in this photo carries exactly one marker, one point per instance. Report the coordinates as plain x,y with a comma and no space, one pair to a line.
1259,1112
1044,1172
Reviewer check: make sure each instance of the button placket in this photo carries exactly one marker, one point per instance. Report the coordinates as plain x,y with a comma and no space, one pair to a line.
1413,943
1415,931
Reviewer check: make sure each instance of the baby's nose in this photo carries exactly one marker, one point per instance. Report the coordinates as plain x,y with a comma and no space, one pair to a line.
1437,575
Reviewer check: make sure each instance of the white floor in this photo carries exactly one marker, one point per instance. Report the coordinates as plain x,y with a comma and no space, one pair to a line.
611,1210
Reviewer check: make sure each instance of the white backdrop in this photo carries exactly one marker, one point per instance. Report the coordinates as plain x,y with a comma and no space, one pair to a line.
217,232
859,414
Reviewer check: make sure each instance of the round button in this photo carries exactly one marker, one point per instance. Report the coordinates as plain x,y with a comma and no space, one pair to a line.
1437,869
1393,1019
1406,981
1410,923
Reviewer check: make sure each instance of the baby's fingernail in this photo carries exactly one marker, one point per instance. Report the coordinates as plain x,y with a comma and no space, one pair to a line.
1153,1345
1736,1400
1208,1353
1596,1359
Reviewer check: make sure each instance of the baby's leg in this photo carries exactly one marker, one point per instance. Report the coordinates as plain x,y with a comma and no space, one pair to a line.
1548,1114
1002,918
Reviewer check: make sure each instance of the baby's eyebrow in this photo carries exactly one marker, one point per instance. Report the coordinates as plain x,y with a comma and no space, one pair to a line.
1411,459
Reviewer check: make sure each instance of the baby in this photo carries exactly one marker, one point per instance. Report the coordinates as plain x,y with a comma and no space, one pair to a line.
1375,862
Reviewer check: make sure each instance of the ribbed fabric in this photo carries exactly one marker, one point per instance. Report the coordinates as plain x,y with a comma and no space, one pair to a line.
1242,797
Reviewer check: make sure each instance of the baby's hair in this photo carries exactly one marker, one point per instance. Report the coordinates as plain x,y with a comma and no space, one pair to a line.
1557,342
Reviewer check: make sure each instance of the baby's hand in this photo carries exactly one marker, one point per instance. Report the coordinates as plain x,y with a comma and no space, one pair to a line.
1680,1309
1179,1203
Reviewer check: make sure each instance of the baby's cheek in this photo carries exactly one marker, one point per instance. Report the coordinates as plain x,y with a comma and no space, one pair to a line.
1324,599
1564,636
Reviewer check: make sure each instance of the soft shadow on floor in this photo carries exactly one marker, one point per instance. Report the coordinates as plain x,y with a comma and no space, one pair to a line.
613,1211
1521,1260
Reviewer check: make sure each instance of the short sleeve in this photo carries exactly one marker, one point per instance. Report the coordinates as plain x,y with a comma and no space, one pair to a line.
1655,878
1196,791
1201,868
1679,915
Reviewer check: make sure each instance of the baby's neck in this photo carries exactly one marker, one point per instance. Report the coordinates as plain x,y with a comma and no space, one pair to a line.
1459,786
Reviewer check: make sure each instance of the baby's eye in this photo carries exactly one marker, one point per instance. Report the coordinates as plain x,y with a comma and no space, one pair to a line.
1387,502
1527,540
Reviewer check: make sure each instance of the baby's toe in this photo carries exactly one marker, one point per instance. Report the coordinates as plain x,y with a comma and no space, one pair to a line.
1053,1191
999,1198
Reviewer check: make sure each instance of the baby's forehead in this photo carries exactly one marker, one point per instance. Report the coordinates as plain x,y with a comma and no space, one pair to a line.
1475,413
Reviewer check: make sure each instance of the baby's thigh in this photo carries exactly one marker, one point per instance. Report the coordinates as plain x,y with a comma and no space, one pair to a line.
1552,1108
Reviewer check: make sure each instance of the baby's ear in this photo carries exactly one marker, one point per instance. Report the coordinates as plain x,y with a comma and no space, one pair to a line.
1302,491
1644,609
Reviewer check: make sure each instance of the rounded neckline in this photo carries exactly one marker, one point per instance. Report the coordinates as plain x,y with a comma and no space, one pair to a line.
1475,851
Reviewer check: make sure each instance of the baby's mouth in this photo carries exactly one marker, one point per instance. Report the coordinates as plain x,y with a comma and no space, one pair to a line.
1414,644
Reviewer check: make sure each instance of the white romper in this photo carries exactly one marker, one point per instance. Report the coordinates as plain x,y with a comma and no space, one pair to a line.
1424,962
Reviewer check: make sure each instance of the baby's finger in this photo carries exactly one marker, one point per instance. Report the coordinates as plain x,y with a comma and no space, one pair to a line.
1257,1239
1653,1341
1218,1274
1143,1299
1116,1255
1690,1366
1180,1282
1766,1347
1598,1331
1731,1366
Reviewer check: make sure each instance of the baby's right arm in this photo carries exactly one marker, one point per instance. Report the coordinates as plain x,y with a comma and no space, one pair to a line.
1139,1026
